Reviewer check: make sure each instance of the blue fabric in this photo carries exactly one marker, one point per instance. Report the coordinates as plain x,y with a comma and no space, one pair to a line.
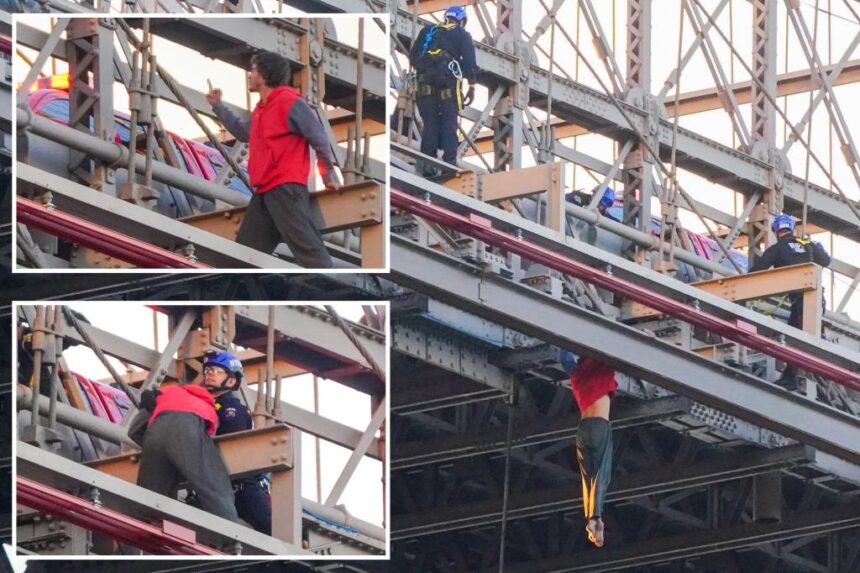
567,359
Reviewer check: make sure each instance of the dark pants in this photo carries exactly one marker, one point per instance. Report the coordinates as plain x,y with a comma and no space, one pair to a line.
254,504
594,454
177,448
283,215
440,115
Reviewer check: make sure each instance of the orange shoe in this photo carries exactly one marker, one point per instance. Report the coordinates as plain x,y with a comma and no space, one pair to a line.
594,529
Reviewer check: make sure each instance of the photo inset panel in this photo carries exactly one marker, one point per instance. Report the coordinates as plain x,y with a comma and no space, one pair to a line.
201,430
258,143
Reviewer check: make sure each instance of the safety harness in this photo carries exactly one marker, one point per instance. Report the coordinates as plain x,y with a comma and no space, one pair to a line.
435,65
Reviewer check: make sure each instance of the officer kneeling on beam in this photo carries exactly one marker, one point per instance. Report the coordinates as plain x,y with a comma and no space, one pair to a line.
222,376
442,55
175,426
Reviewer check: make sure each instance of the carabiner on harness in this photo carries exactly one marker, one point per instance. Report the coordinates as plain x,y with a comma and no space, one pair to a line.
454,67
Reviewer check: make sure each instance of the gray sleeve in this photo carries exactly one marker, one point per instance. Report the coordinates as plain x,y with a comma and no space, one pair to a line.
232,123
303,120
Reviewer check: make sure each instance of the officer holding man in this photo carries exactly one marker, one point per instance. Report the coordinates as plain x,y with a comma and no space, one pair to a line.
222,376
442,55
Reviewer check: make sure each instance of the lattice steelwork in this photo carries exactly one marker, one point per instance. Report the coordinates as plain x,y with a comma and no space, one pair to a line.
481,331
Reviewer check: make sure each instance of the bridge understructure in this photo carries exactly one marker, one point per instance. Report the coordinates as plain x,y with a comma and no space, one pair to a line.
505,258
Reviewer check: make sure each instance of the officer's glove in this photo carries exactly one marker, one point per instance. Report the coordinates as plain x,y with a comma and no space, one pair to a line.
470,95
148,399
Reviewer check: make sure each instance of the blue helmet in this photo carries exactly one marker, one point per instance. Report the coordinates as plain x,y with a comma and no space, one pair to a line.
782,223
457,13
608,199
226,361
567,360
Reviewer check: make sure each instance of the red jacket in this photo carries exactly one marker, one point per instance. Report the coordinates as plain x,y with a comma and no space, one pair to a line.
590,381
276,154
189,398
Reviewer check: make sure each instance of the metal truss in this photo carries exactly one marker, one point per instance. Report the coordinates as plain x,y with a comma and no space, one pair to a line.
219,7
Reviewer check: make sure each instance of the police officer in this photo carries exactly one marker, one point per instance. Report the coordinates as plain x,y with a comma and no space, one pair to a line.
442,55
222,376
791,250
586,231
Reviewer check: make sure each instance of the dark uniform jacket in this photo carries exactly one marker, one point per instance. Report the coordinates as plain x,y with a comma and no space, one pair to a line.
455,43
791,250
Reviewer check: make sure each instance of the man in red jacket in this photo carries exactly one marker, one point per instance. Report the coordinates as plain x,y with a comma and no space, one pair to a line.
178,446
280,132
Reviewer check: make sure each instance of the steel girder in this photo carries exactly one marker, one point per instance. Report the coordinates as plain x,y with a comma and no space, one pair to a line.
700,543
56,471
84,233
262,286
727,467
322,427
449,352
655,282
235,40
94,517
35,39
313,342
681,371
595,111
528,433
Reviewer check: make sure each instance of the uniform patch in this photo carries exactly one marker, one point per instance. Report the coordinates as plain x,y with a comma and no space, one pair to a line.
230,413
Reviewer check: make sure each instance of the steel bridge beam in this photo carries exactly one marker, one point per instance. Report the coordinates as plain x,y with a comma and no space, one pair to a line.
141,224
676,369
117,494
595,111
727,467
313,342
84,233
95,517
528,433
652,281
234,40
700,543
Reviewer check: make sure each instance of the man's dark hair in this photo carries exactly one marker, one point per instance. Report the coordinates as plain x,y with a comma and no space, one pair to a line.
275,69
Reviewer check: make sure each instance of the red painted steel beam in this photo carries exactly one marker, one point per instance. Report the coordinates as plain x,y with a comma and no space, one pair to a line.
87,514
101,239
738,331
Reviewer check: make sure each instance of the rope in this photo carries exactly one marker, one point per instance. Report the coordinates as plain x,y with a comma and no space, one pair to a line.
508,442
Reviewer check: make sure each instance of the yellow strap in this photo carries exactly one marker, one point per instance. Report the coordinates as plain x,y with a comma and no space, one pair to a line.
459,95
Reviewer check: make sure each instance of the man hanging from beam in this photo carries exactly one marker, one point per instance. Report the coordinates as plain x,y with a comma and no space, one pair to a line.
593,385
